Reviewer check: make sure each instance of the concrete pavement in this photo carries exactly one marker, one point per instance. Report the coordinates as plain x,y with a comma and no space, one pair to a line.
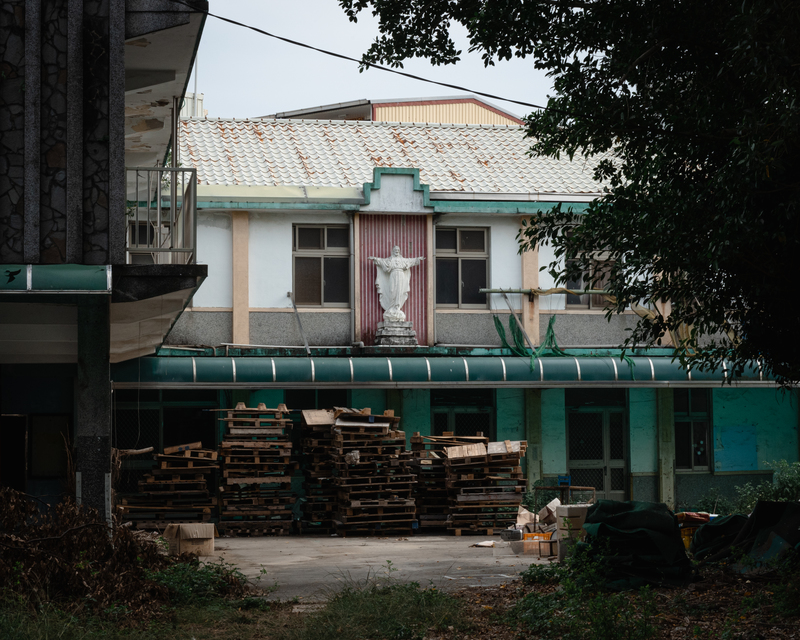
309,567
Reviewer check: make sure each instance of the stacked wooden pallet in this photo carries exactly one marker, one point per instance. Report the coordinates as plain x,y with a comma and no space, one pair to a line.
319,508
486,486
374,479
174,491
257,465
431,493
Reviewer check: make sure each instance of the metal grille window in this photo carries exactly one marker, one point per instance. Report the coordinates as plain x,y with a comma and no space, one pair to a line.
598,278
462,267
321,265
692,419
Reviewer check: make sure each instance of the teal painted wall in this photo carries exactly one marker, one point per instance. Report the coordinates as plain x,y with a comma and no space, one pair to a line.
375,399
753,427
270,397
554,432
510,405
643,421
416,413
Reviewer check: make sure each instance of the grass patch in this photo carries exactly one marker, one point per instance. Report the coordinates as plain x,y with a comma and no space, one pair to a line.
381,611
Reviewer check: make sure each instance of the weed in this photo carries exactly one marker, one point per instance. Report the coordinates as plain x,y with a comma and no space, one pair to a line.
192,582
381,608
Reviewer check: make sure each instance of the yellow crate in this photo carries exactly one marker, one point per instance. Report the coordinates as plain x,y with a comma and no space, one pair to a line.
537,536
687,533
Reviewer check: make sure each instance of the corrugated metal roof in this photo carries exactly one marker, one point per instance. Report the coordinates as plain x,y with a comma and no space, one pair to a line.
490,159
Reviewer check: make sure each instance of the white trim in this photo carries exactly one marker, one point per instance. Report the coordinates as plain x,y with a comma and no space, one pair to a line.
274,375
652,370
428,364
466,368
578,365
616,373
313,371
352,373
194,370
233,365
389,362
503,362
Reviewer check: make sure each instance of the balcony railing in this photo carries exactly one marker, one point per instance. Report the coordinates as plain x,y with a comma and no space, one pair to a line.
161,215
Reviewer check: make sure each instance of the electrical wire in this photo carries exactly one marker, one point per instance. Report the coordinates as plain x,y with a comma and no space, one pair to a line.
369,65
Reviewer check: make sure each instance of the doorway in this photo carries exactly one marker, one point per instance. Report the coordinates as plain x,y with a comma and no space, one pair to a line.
597,451
14,452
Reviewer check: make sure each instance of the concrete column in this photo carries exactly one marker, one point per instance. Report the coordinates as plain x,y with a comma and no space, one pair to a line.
533,434
530,306
666,448
241,279
93,403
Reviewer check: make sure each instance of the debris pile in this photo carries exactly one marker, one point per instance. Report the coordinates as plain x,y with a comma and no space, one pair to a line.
175,490
320,505
374,479
256,453
431,494
486,486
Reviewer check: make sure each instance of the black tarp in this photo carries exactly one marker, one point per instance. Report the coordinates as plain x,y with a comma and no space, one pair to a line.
638,543
772,530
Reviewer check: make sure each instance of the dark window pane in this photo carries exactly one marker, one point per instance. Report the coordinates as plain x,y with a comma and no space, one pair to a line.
309,237
683,445
473,276
681,399
473,240
595,398
602,276
441,422
446,281
136,395
616,436
588,478
298,399
699,401
337,279
330,398
308,281
338,237
700,435
189,395
617,479
462,397
576,283
446,239
585,436
471,424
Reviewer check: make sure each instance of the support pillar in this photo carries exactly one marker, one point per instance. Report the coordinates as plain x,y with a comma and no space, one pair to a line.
241,277
533,434
666,448
93,404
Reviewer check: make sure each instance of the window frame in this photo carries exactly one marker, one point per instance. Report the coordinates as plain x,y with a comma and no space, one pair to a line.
321,254
692,418
594,302
460,255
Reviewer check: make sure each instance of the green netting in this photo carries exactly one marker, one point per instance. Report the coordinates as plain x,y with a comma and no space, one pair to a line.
548,348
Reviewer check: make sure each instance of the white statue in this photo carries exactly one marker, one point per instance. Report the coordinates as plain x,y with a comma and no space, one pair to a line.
393,281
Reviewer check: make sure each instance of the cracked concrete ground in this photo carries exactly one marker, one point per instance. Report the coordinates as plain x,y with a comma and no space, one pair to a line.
309,567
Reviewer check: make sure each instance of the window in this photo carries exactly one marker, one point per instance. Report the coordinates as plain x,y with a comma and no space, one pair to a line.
692,409
321,257
462,266
463,412
597,279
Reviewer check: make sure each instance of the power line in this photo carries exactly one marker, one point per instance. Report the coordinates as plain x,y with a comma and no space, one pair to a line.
349,59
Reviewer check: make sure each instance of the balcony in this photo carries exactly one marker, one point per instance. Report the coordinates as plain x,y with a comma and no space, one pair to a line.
161,212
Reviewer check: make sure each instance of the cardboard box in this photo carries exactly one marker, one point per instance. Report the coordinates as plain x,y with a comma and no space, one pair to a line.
547,515
571,516
196,538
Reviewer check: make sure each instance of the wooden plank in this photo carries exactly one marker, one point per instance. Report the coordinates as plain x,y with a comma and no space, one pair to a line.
318,417
508,446
466,450
182,447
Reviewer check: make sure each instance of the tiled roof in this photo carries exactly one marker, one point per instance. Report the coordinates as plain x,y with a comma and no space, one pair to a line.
467,158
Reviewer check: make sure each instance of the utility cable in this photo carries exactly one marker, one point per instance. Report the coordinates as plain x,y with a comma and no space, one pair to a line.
368,65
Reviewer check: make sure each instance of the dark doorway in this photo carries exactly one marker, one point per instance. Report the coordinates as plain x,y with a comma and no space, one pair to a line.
14,452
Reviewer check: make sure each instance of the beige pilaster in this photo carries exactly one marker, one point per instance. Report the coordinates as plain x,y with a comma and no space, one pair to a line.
666,447
241,279
430,310
530,306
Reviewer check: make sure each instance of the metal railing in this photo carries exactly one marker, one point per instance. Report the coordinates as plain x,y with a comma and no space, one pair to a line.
161,211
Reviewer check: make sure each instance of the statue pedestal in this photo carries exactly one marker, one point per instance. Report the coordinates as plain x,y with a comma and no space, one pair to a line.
396,334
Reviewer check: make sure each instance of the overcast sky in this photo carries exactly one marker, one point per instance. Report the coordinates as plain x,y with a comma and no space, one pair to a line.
244,74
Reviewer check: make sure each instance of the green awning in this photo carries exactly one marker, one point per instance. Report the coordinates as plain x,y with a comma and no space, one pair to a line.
413,372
